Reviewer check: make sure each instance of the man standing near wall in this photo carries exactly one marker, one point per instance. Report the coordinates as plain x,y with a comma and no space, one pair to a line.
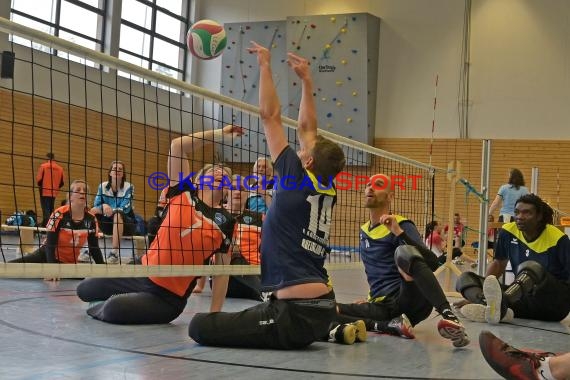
50,179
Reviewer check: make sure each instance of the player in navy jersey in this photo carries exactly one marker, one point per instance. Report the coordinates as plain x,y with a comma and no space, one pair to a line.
540,254
399,269
295,238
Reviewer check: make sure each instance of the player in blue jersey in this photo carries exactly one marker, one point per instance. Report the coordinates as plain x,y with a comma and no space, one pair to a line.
399,269
540,254
295,238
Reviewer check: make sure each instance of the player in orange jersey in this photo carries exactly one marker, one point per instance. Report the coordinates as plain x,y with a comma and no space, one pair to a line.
247,237
194,228
69,228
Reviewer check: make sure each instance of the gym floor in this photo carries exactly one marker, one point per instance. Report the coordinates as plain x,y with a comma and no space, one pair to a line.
46,334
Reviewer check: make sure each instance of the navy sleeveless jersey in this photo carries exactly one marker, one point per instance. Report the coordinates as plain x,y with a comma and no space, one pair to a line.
295,232
377,247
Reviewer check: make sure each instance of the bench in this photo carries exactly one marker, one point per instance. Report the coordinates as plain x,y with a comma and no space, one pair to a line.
28,243
139,243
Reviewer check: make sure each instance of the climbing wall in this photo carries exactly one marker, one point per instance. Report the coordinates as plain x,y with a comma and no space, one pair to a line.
343,51
240,78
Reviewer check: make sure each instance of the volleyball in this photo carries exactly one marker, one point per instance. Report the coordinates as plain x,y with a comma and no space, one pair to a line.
206,39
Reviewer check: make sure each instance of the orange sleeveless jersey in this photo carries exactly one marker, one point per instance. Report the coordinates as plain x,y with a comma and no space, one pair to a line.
71,236
248,235
190,234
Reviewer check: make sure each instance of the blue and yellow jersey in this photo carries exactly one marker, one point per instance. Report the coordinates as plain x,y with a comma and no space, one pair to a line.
551,249
377,247
295,232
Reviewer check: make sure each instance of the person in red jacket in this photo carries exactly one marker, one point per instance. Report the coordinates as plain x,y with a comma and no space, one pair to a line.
50,179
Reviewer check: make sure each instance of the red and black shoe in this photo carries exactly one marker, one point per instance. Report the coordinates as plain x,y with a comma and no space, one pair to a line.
401,326
398,326
509,362
451,328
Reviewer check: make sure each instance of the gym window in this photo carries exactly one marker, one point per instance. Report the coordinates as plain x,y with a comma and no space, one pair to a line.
153,35
78,21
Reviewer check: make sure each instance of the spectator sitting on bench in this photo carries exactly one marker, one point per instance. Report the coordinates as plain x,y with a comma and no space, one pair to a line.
114,208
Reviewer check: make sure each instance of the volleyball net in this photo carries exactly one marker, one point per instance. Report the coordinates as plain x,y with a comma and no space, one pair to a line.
90,109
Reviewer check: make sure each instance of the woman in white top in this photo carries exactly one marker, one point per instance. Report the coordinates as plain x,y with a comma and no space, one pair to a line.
508,194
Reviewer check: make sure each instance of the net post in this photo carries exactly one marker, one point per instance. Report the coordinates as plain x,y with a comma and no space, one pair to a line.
453,175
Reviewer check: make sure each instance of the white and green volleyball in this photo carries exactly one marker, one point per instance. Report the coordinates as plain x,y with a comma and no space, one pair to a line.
206,39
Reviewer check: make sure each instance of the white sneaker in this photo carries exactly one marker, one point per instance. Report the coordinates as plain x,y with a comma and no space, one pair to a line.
509,316
476,313
84,256
494,297
113,258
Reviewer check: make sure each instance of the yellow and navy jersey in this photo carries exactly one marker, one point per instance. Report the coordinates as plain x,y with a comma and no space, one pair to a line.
551,249
295,237
377,247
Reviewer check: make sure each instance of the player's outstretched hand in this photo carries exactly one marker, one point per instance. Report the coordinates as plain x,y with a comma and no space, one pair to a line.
263,54
232,130
299,64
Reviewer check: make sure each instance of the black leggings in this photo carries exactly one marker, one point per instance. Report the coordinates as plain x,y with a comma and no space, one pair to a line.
245,287
130,301
409,301
549,302
277,324
38,256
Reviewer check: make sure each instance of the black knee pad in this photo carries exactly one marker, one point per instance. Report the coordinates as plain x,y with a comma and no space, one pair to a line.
405,255
533,269
468,280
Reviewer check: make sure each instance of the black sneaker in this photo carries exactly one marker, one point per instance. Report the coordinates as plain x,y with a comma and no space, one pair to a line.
401,326
344,334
